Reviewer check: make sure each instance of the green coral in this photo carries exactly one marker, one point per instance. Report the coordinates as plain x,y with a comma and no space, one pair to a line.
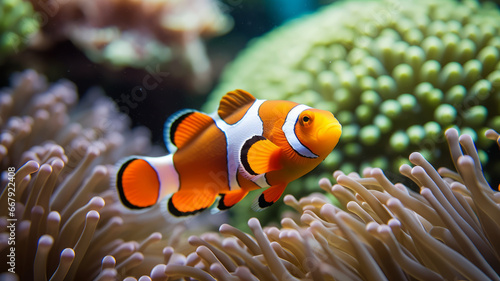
395,73
17,22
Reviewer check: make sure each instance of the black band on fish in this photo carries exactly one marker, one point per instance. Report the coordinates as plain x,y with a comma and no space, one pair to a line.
289,129
244,153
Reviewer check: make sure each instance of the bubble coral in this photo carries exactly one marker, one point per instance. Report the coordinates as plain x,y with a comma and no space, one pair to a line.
69,224
395,73
138,33
17,24
382,231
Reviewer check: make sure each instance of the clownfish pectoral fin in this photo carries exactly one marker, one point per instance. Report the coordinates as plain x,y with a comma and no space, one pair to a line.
233,101
229,199
259,155
187,203
138,183
183,126
268,197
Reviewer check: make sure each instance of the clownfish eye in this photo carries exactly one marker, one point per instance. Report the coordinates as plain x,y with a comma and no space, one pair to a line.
306,119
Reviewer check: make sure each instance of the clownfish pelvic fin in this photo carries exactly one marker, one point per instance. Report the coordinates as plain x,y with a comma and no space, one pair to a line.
258,156
268,197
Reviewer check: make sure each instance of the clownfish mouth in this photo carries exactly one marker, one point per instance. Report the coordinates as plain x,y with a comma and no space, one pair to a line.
331,131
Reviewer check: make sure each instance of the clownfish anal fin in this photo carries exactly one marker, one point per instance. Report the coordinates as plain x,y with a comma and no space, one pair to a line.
259,155
268,197
183,126
187,203
229,199
233,101
138,184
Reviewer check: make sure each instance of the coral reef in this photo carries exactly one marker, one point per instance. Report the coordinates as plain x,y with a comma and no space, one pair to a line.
396,74
382,231
138,33
17,24
68,223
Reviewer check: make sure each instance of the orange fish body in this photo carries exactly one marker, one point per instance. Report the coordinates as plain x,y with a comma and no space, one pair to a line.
247,144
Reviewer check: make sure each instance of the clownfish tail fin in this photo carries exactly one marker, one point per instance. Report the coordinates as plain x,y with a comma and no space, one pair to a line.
137,182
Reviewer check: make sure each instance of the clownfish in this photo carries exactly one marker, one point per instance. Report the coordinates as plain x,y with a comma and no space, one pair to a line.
247,144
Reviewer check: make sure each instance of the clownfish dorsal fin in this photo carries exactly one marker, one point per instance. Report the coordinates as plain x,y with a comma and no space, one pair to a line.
183,126
233,101
259,155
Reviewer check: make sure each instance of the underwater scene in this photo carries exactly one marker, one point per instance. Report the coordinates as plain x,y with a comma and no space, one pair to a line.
249,140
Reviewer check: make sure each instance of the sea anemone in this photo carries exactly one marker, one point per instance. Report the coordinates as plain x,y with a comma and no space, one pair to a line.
381,231
396,74
493,135
138,33
59,218
17,24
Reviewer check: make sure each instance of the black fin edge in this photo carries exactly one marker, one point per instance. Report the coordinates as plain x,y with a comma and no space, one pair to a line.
263,203
221,206
171,125
175,212
176,124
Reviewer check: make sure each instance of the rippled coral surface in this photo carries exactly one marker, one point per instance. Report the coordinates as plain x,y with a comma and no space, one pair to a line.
396,74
